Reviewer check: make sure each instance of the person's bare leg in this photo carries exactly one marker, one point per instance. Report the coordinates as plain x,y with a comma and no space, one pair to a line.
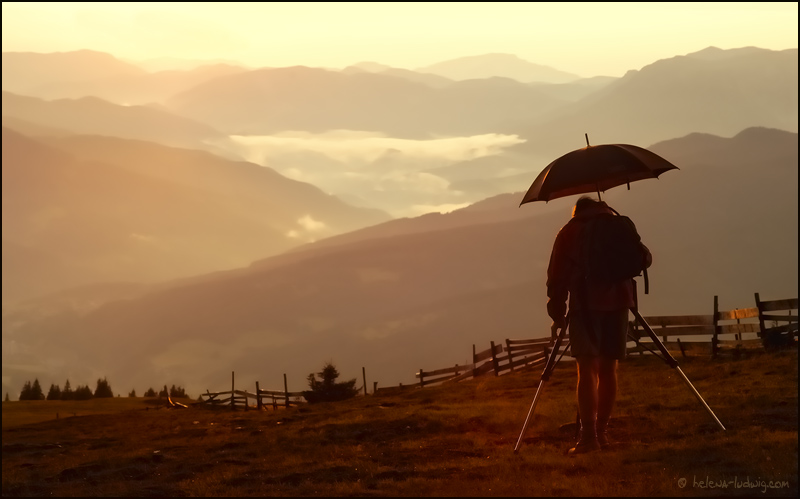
587,404
587,392
606,396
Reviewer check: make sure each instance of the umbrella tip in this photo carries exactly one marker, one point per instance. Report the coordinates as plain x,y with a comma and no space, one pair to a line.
587,138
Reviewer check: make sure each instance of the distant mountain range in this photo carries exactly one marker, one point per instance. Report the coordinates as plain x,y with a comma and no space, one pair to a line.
267,101
491,65
675,97
366,97
82,73
29,72
405,294
92,115
83,209
669,98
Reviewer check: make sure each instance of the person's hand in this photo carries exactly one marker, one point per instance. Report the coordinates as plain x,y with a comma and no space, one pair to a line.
557,324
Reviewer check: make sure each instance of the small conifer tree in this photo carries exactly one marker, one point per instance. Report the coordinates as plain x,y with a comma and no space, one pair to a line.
67,393
83,393
177,392
327,389
103,389
54,393
36,390
31,391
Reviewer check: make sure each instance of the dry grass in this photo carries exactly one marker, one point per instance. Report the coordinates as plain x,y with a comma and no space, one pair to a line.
26,412
453,440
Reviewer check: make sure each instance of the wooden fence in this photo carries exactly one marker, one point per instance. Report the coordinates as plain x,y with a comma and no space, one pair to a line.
516,355
239,398
770,323
783,325
730,328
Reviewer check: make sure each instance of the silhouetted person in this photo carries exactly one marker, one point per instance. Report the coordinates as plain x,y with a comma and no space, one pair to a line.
603,307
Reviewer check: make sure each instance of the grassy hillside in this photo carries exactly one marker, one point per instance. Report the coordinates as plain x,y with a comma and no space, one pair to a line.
452,440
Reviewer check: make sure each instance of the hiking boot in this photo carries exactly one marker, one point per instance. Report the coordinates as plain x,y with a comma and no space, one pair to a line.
602,433
602,439
584,446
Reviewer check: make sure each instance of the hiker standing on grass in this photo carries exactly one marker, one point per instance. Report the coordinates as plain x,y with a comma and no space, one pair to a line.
598,316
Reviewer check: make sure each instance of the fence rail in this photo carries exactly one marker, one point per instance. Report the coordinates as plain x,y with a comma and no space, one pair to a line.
732,328
239,398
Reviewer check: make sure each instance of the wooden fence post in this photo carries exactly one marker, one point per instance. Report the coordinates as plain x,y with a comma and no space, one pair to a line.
510,358
258,397
494,360
680,345
715,338
421,378
474,361
374,387
364,375
286,390
233,406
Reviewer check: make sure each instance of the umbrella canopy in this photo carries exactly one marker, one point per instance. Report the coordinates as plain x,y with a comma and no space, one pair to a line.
596,169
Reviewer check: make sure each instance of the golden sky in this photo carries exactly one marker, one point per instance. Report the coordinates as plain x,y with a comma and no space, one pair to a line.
588,39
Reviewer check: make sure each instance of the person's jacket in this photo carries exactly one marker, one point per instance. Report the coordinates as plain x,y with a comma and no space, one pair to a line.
565,279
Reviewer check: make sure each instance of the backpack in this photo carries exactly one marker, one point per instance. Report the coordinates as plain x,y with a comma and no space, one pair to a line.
613,250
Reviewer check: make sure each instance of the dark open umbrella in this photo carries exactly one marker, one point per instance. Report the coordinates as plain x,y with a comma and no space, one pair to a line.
595,169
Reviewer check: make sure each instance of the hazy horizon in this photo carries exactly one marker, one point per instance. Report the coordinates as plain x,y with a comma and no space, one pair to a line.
584,38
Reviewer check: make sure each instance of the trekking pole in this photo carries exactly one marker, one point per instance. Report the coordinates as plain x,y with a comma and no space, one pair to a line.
548,369
670,360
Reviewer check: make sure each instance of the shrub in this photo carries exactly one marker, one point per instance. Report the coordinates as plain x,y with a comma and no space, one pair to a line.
328,390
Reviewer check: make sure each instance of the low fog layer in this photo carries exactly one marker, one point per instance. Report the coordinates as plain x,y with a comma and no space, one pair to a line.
371,169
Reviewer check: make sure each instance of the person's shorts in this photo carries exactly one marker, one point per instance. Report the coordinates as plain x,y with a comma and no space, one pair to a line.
608,336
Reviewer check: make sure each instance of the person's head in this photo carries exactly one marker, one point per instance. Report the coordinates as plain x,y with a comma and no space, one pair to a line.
584,203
